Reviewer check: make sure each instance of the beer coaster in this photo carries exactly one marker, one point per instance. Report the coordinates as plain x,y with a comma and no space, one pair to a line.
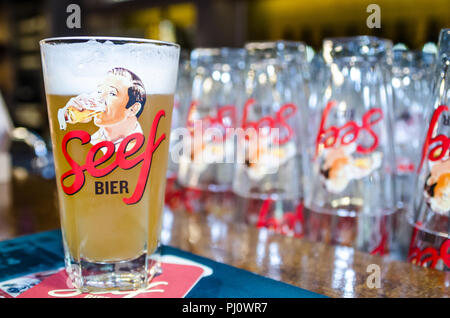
175,282
4,294
16,286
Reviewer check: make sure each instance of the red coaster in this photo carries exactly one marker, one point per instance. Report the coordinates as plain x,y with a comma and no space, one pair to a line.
4,294
175,282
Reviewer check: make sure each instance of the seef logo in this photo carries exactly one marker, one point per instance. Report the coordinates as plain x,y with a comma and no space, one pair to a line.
374,19
73,21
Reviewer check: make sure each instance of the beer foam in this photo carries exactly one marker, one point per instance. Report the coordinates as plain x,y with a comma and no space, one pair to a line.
75,68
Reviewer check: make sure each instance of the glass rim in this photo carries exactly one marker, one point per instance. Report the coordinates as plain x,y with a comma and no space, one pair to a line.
212,51
330,43
444,31
414,60
267,45
346,39
219,55
444,43
411,54
366,46
114,39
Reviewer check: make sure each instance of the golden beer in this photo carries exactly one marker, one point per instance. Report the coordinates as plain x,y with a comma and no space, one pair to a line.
78,116
99,226
110,118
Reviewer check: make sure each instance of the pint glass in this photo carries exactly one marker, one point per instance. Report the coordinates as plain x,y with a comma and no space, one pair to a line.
110,105
412,75
430,217
217,93
269,175
351,200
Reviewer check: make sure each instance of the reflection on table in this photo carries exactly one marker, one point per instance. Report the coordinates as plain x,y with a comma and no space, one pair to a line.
28,205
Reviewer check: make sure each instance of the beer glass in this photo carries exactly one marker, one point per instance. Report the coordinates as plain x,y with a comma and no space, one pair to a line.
174,194
412,73
352,193
268,179
317,72
217,92
411,77
206,168
110,104
430,218
182,100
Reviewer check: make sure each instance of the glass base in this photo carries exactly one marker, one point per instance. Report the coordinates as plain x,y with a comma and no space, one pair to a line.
110,276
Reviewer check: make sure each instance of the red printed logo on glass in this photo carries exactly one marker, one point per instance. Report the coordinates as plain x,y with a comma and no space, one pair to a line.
435,151
209,133
279,121
348,133
428,256
114,108
271,139
123,160
291,223
343,158
226,118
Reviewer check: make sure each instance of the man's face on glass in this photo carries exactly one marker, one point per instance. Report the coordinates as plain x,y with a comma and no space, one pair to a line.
114,91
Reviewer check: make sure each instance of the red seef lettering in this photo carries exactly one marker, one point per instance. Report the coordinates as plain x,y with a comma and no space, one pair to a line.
277,121
227,111
438,152
428,256
351,130
122,161
290,223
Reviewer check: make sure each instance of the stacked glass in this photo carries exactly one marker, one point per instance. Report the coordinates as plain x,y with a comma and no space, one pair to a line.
412,73
430,219
351,201
174,196
268,179
206,165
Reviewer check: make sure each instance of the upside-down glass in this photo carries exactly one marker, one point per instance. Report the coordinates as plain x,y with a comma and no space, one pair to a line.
181,105
111,164
412,73
182,99
217,92
268,179
317,72
352,192
430,219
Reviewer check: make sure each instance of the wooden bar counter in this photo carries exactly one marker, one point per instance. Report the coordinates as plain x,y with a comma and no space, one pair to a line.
28,205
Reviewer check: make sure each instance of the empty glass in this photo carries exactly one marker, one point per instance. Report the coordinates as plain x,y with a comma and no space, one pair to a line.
317,75
217,91
174,198
206,165
182,99
412,72
268,179
351,201
430,218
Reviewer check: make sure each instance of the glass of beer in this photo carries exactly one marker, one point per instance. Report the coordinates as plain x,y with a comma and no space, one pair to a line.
110,105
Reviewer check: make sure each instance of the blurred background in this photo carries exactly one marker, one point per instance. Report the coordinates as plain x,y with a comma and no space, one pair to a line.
200,23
